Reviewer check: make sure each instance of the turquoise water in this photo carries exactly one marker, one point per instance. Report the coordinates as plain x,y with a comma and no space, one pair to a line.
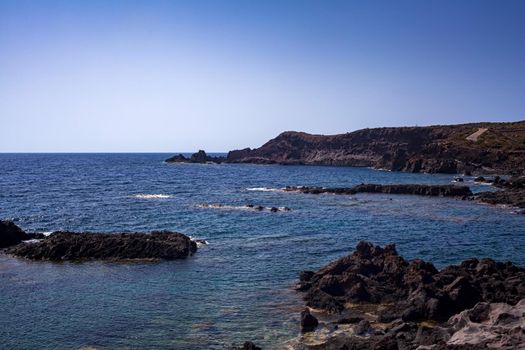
237,287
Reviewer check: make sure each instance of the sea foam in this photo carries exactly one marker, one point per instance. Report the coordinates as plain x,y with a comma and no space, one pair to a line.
152,196
264,189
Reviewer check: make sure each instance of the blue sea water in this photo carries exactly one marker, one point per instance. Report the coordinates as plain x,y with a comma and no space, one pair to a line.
236,288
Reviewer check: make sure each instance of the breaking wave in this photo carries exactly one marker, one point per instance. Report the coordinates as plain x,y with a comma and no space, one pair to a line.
152,196
264,189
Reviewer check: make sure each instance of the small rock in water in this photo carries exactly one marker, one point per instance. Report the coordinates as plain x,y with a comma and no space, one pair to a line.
248,346
308,321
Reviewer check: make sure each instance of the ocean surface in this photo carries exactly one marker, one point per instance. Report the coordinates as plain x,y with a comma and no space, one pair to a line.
239,286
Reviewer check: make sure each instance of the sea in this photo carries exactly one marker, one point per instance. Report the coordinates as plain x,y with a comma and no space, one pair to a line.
239,286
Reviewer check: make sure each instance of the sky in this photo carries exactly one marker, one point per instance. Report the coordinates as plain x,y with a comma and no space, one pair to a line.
169,76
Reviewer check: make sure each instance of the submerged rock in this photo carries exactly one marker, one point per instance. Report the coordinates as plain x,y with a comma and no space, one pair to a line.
11,234
71,246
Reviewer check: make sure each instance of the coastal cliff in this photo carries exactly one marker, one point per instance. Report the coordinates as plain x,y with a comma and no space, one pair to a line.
477,148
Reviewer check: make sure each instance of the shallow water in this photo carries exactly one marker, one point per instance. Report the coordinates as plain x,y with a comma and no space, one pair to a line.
237,287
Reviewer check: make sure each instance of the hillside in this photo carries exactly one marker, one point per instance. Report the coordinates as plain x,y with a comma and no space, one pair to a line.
478,148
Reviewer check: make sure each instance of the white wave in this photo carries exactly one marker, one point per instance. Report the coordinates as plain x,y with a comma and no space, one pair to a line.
264,189
47,233
200,242
222,206
152,196
483,183
32,241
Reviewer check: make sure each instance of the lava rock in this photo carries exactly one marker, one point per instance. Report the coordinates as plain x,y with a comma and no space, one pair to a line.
66,246
413,290
413,189
248,346
11,234
308,321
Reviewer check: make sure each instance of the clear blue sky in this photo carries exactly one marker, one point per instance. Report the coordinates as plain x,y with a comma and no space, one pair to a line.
182,75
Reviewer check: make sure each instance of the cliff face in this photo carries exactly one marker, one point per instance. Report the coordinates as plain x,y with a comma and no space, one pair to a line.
478,148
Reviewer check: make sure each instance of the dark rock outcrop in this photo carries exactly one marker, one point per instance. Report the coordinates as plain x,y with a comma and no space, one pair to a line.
414,290
308,321
415,189
70,246
248,346
511,192
433,149
512,198
11,234
198,157
386,302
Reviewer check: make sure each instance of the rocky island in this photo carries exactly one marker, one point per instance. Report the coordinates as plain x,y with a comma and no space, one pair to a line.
476,148
74,246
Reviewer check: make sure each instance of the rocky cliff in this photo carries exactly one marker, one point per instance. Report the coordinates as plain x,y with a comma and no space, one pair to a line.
478,148
467,148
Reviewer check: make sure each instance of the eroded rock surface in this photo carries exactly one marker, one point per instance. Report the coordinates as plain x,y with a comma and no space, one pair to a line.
416,289
381,301
72,246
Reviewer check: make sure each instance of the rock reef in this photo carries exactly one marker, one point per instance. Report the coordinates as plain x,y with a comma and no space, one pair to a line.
382,301
198,157
414,189
511,192
72,246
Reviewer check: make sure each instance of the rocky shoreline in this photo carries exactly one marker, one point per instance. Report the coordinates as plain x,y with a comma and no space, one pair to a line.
392,303
375,299
451,149
74,246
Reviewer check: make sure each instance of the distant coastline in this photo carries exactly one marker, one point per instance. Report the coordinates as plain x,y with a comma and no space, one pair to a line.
470,149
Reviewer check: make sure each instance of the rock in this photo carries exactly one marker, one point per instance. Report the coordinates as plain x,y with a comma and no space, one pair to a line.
411,291
414,189
198,157
477,304
431,149
11,234
248,346
501,327
308,321
431,335
511,193
362,328
178,158
70,246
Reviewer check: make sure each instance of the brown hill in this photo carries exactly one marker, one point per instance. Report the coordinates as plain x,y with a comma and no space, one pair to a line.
464,148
